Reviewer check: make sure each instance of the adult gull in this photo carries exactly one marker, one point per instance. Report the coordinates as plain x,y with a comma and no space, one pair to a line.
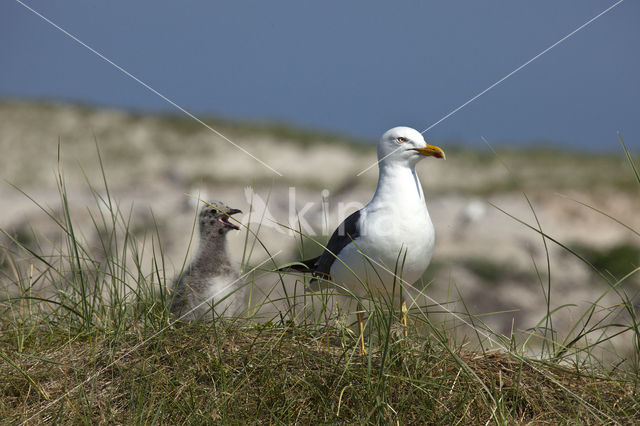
389,242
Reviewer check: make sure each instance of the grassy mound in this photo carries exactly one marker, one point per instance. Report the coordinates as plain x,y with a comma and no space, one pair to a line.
281,374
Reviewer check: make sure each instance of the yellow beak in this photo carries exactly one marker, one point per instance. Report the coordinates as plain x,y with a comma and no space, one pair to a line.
431,151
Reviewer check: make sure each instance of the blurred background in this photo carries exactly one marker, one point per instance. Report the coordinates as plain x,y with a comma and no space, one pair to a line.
306,90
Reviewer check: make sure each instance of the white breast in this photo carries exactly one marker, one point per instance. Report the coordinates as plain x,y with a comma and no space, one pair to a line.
396,237
224,292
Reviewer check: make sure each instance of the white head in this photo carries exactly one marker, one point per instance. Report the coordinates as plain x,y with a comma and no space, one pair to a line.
405,146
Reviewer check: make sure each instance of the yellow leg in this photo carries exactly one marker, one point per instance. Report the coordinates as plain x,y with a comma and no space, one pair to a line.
404,316
363,350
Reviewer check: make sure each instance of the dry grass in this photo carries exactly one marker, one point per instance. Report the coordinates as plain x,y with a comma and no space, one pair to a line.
285,375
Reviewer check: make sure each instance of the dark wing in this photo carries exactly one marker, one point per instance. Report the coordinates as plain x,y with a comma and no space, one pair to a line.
321,265
308,265
342,236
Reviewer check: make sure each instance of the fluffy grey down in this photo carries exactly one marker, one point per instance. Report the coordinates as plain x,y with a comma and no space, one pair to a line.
209,286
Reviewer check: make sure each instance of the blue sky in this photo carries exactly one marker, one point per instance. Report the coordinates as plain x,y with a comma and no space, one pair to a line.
351,67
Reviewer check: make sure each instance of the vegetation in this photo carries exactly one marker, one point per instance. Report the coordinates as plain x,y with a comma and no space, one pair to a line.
218,374
616,261
87,338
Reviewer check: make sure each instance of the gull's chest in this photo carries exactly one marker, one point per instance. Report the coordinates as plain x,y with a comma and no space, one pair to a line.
388,232
395,235
391,242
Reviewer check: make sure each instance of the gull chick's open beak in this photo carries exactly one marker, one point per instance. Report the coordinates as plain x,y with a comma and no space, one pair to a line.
229,213
430,151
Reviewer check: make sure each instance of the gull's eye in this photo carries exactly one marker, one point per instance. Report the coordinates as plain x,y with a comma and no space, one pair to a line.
402,139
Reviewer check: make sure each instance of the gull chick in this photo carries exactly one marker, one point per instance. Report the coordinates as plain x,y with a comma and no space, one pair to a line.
210,283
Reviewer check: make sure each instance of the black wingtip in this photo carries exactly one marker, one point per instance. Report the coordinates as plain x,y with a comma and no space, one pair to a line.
305,266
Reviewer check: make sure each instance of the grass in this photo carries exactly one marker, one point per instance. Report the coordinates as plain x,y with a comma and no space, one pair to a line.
277,374
85,337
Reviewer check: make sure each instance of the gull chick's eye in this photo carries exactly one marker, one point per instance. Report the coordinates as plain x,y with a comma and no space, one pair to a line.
402,139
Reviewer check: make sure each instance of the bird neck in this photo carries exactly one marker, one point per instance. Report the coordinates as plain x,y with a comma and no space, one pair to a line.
212,254
398,182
